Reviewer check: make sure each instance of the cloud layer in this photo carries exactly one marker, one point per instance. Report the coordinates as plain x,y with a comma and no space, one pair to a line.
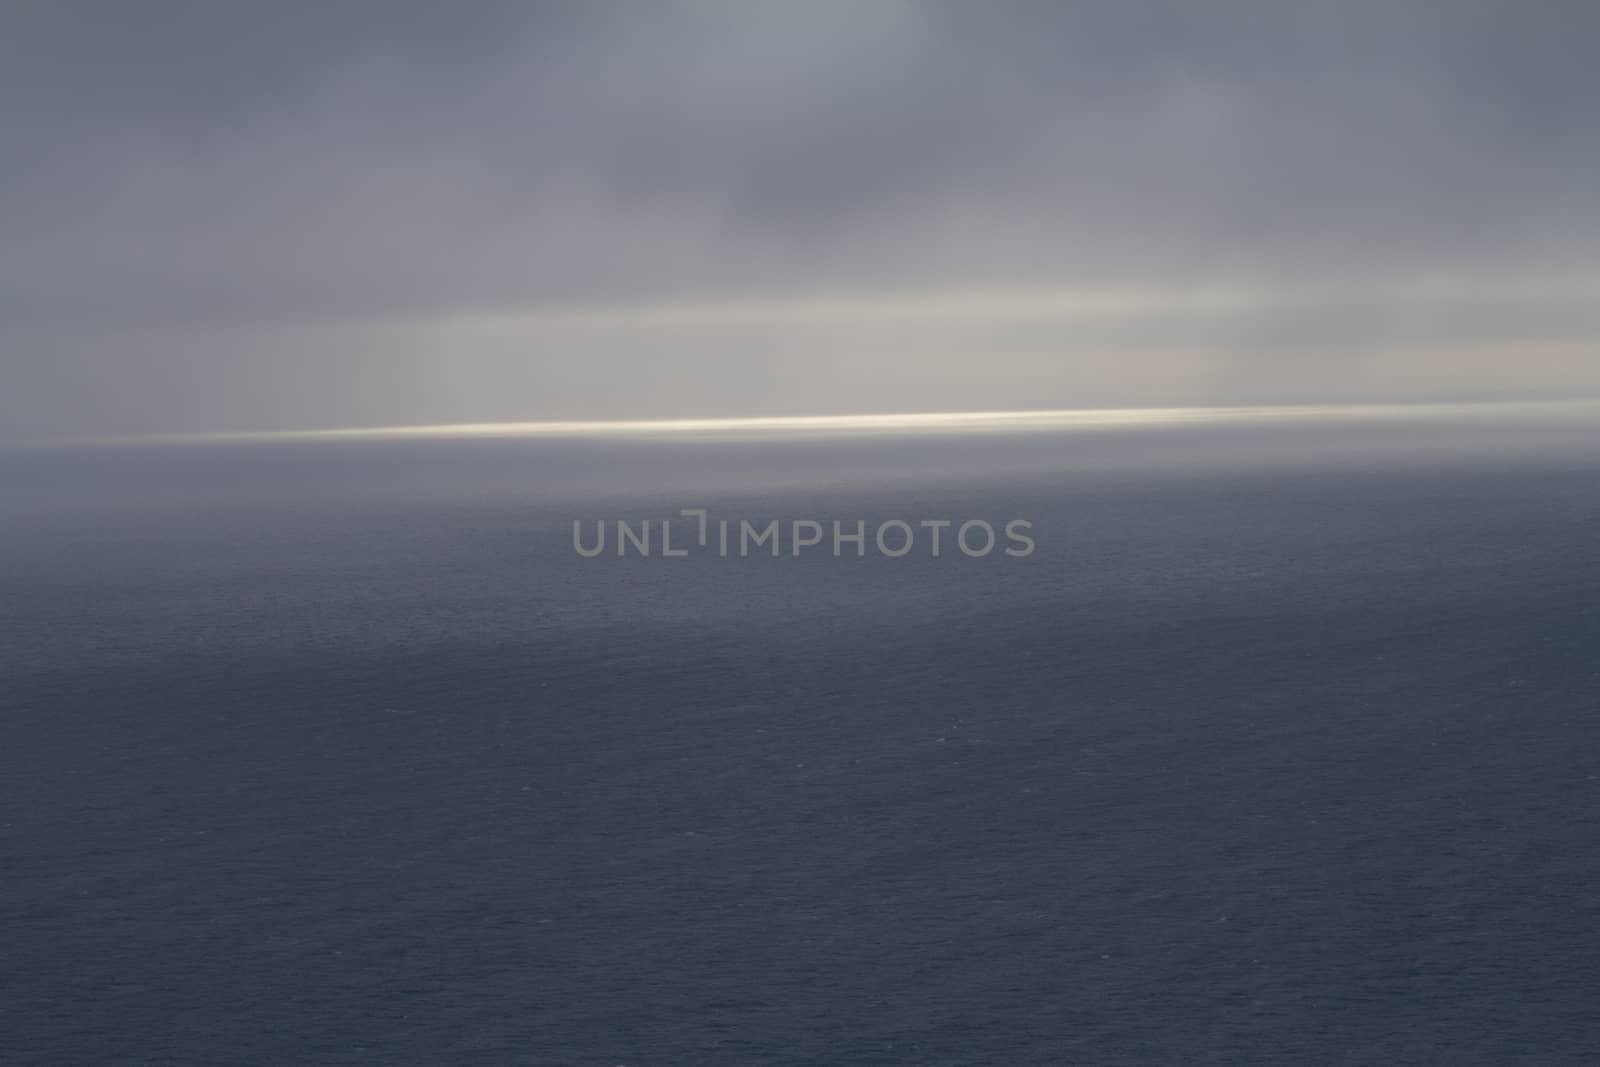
250,217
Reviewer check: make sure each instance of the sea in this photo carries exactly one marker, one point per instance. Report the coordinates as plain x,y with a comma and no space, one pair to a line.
1280,745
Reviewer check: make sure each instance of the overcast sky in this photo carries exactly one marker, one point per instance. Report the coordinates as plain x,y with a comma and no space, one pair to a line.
241,216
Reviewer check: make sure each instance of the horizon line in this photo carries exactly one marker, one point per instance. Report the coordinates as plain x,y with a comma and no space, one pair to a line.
1061,419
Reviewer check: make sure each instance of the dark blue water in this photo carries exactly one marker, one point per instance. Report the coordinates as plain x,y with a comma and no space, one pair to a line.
338,754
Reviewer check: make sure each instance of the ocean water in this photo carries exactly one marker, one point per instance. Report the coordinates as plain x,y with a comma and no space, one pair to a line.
1281,747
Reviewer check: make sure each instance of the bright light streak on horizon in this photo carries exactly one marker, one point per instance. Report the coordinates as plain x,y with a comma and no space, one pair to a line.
1066,420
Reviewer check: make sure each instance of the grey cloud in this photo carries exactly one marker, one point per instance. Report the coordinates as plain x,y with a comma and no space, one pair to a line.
201,166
